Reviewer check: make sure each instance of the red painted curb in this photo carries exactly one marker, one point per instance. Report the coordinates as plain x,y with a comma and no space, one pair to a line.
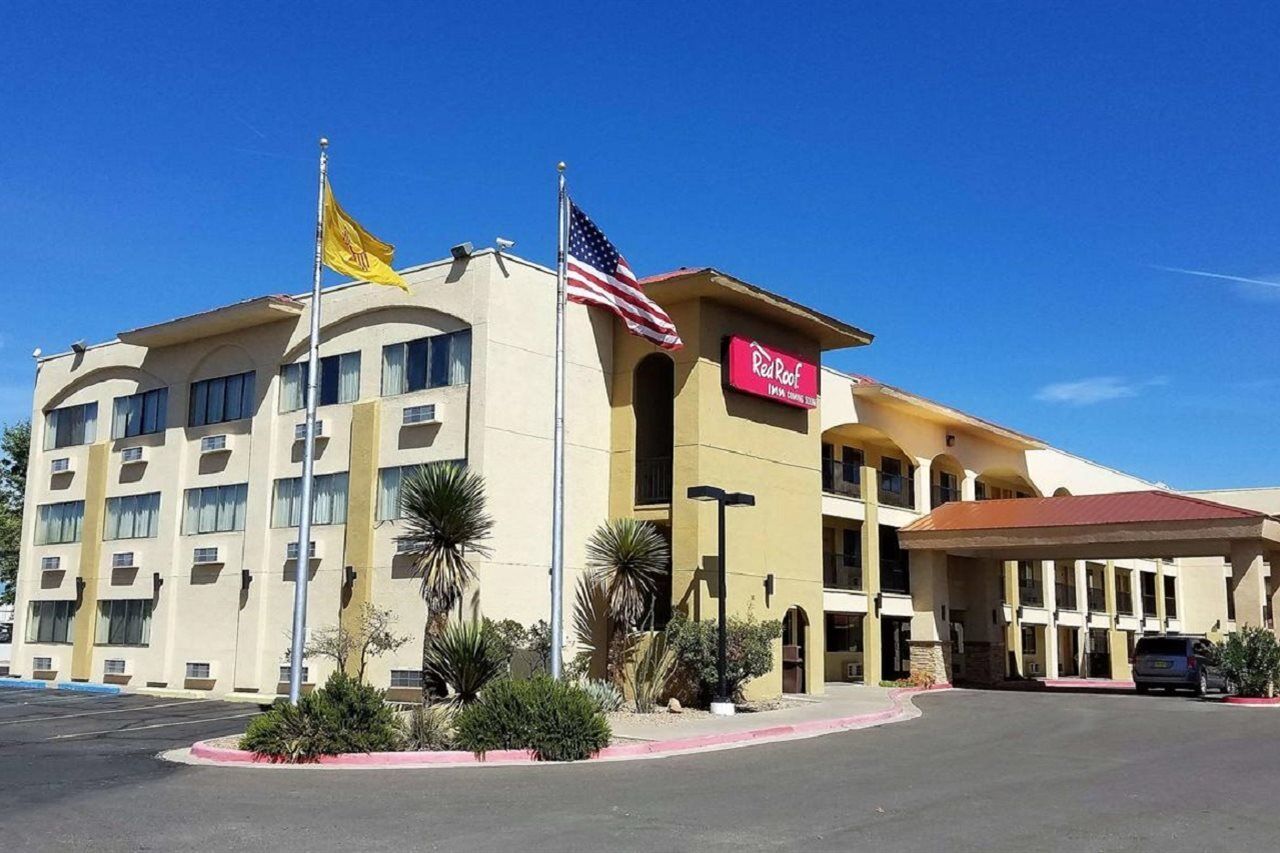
227,756
1257,701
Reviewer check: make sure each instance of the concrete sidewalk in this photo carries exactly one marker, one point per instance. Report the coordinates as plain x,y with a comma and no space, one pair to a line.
841,700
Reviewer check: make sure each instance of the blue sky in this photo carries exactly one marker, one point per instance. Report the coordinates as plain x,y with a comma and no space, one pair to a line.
998,191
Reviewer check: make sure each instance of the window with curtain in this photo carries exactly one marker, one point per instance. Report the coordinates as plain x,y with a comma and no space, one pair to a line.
124,622
389,491
71,425
59,524
50,621
328,500
215,401
139,414
433,362
215,509
133,517
338,382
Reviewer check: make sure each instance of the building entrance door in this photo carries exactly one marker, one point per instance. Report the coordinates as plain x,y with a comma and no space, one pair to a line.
895,648
795,628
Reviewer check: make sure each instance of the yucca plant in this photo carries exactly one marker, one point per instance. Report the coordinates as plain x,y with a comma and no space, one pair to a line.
649,669
444,510
626,558
465,657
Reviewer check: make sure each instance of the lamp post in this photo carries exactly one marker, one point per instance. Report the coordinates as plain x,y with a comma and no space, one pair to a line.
722,703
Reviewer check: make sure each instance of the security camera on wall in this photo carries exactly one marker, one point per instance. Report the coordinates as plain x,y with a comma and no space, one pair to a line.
504,243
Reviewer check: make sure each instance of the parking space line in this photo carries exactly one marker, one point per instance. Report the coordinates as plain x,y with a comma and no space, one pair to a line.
154,726
98,713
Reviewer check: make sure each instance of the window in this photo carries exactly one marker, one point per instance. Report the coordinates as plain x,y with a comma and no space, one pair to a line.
201,671
844,632
1231,602
339,382
1029,641
124,622
215,401
390,481
139,414
133,517
432,362
50,622
1147,587
59,524
1170,597
215,509
406,678
328,500
71,425
284,673
1124,592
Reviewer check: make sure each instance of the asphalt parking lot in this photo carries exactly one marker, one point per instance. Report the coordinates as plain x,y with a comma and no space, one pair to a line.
981,771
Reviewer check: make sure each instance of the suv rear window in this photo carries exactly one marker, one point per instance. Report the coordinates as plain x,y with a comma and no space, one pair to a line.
1172,646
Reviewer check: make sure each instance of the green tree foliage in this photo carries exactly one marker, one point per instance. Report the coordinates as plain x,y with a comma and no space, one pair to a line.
15,448
749,652
342,716
556,720
1251,660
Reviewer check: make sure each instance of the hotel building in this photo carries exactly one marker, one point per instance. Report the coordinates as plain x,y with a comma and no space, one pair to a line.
889,534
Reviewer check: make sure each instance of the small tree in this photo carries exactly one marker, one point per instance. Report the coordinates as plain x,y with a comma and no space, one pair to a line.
15,447
372,638
749,651
626,558
1251,661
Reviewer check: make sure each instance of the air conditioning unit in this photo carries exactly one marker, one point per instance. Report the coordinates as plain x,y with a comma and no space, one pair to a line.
123,560
42,664
61,465
132,455
291,550
199,670
300,431
213,443
206,557
852,670
114,666
50,564
1033,668
424,414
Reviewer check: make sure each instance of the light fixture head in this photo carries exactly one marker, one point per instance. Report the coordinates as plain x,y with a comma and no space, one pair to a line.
739,499
461,252
705,493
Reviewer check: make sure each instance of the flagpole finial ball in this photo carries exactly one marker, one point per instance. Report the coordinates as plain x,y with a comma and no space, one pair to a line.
324,142
561,166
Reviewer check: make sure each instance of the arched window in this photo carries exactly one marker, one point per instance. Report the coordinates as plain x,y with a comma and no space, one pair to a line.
653,400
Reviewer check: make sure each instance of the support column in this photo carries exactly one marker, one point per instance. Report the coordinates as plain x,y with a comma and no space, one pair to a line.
1117,646
1273,559
924,485
871,669
1161,615
1247,584
1048,579
930,601
85,623
969,486
362,488
1013,632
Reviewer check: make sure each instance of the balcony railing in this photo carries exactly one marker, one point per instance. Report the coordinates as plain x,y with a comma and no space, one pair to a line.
944,494
653,480
897,490
1031,594
842,571
1066,595
1097,601
894,576
842,478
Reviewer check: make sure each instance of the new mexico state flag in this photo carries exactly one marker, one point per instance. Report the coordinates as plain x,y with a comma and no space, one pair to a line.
353,251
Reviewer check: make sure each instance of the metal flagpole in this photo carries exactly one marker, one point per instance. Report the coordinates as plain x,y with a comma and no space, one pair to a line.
557,476
303,563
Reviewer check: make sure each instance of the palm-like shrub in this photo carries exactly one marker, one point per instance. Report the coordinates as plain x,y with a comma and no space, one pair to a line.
607,698
626,558
465,657
343,716
427,728
649,668
1251,661
444,510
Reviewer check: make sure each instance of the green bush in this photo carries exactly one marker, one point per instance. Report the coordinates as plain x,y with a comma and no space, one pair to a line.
466,657
557,721
343,716
749,652
606,697
427,728
1250,658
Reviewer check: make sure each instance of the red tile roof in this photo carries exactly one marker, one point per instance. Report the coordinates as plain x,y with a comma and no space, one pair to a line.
1076,511
663,276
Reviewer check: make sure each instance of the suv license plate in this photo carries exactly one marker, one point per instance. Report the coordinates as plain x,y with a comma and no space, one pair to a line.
1163,664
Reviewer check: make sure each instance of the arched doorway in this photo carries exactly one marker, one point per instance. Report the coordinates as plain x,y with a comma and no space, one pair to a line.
795,635
653,403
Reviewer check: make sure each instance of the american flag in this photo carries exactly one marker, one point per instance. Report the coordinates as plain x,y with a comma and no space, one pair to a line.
598,275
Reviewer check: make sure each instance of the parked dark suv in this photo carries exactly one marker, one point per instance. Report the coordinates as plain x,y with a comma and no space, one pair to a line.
1177,663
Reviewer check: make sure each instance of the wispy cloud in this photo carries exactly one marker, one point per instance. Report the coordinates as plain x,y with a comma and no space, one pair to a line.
1096,389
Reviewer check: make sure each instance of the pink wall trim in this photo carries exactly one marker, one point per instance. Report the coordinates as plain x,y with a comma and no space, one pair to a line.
899,711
